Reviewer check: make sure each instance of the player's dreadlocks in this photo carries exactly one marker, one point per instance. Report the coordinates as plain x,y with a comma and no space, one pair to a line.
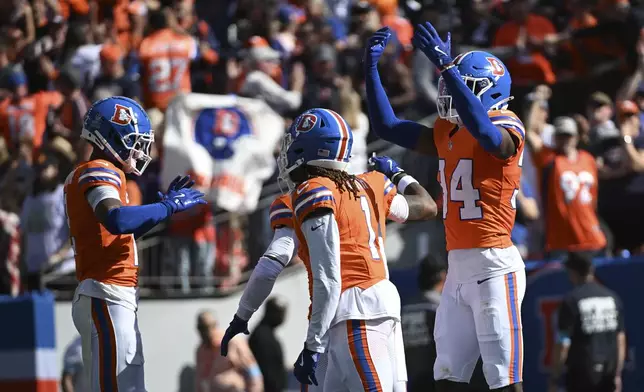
343,180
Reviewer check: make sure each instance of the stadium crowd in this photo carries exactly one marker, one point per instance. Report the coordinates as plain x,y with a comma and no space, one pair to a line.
578,80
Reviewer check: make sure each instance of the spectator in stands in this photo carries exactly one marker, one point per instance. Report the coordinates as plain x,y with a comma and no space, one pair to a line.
17,21
73,378
527,213
397,78
235,373
10,242
189,253
165,55
359,123
621,168
68,118
267,348
84,54
259,67
569,185
535,118
528,33
600,117
24,117
112,79
44,222
591,341
418,318
321,88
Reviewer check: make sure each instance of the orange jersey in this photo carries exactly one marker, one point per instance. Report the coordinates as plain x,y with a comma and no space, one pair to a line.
100,255
281,212
569,194
361,225
165,57
27,119
479,190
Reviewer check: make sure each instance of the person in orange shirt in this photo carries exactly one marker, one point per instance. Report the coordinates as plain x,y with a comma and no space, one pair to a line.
23,118
125,17
528,33
479,145
569,192
165,57
102,229
338,220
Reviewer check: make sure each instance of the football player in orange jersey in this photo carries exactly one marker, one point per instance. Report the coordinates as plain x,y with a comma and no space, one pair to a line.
103,230
479,145
283,248
338,221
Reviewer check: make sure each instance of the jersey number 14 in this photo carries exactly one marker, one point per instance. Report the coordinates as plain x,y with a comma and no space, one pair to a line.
461,189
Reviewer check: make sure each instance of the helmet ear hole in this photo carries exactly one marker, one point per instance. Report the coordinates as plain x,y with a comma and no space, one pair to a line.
495,95
322,123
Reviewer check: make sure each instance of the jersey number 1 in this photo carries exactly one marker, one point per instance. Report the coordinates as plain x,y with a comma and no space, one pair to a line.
461,189
364,205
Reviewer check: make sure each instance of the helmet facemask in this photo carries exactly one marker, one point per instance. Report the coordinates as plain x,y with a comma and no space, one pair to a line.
444,105
284,176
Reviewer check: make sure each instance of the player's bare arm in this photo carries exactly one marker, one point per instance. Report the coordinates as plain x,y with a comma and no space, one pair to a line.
413,202
404,133
421,205
103,208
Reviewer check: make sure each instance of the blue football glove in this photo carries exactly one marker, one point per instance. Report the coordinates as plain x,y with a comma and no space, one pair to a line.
236,326
182,199
305,366
437,51
178,183
384,165
376,46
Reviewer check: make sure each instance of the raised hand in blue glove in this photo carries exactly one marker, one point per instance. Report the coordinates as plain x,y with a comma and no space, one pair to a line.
437,51
182,198
236,326
178,183
305,366
384,165
376,46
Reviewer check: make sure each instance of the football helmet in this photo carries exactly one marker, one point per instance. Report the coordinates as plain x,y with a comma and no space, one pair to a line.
120,128
485,75
317,137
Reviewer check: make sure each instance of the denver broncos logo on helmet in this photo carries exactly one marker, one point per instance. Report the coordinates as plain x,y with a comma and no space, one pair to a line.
306,123
121,115
498,69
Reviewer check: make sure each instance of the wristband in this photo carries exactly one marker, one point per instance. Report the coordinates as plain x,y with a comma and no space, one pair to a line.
448,66
395,178
405,182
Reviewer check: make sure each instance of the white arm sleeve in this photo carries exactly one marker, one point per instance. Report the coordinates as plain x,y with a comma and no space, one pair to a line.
323,239
399,209
259,286
100,193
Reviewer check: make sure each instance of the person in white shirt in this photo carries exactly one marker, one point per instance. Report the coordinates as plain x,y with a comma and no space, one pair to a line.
261,63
